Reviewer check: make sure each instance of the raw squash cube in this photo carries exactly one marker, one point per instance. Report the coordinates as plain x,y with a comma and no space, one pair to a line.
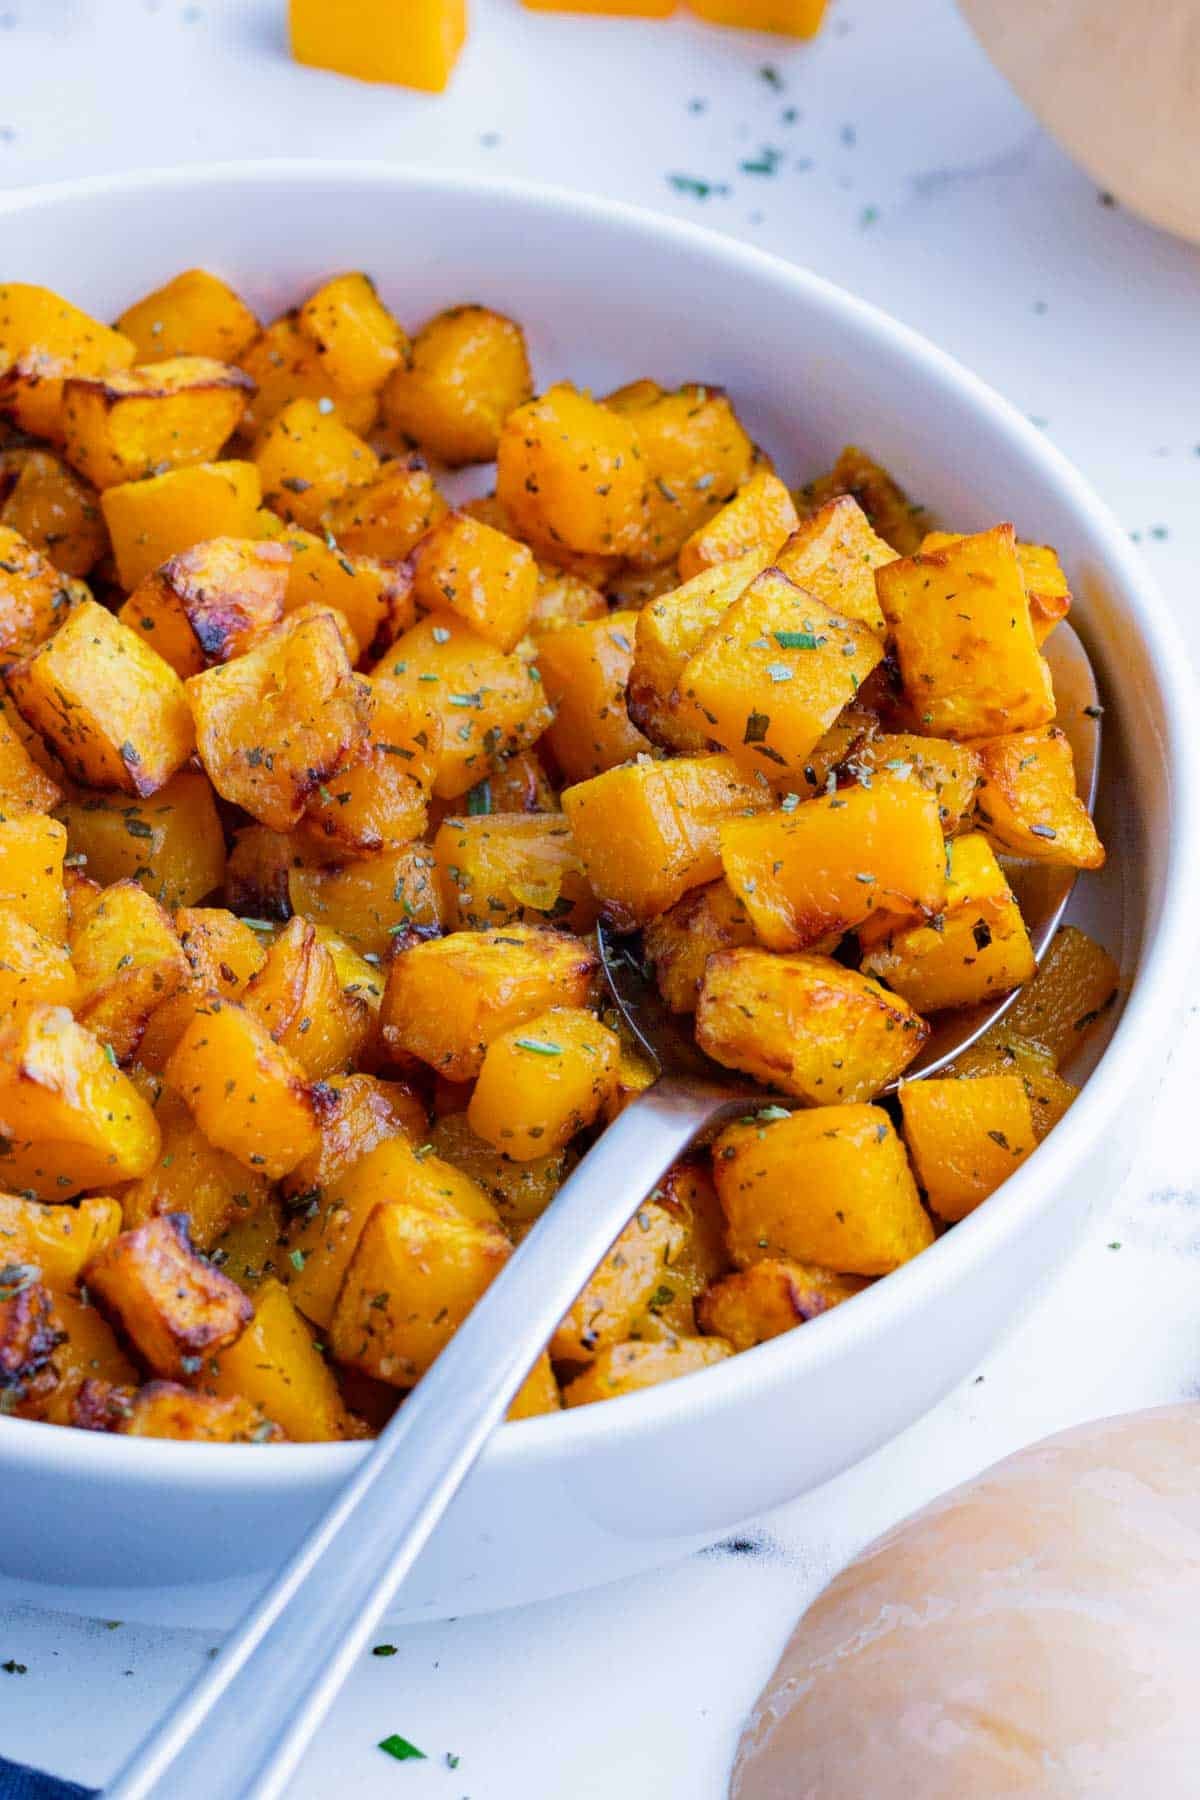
760,517
191,1176
1028,804
544,1081
33,596
172,843
960,620
32,848
210,603
68,1117
769,1298
363,39
34,970
446,1001
24,786
246,1093
379,800
298,996
649,831
1075,986
60,1240
143,421
113,710
773,674
623,1288
831,1187
629,1368
977,947
824,867
43,339
952,772
286,365
792,18
149,521
276,1366
54,511
834,556
307,458
355,335
696,456
585,669
360,1111
569,470
805,1025
500,867
488,579
966,1137
896,520
271,726
128,961
390,516
195,314
679,942
669,631
173,1304
372,902
467,369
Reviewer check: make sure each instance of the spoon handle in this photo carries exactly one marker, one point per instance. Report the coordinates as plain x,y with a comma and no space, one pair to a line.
240,1731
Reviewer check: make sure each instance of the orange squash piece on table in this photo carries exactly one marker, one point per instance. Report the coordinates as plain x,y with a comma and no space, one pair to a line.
416,45
791,18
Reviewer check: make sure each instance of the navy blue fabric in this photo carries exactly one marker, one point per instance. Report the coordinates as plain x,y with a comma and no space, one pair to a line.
19,1783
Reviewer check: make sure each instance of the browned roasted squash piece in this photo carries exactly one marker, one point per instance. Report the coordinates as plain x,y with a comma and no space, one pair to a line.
628,1368
543,1081
24,785
1046,586
585,669
285,365
466,371
163,1409
1074,987
499,867
890,512
53,510
136,422
669,631
191,1176
275,1365
151,520
174,1306
484,577
29,1335
195,314
374,597
520,1191
34,970
34,597
1002,1051
247,1094
372,902
769,1298
43,339
389,516
210,603
298,996
696,457
87,1350
59,1241
307,458
222,954
623,1287
359,1112
128,961
760,517
379,800
1028,804
834,555
679,942
952,772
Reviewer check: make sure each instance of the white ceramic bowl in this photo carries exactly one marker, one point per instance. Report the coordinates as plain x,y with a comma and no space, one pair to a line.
113,1525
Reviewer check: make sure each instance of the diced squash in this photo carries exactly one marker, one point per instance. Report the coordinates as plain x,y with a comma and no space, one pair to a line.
246,1093
570,472
833,555
446,1001
87,1350
963,635
28,1338
805,1024
191,1176
760,517
34,970
769,1298
467,370
649,831
355,335
195,314
113,710
696,457
1077,983
635,1073
307,458
221,955
298,996
360,1111
372,902
275,1365
585,669
253,1248
32,848
976,948
669,631
210,603
623,1287
1046,586
634,9
774,672
24,786
143,421
952,772
374,597
1028,804
53,510
824,867
687,1192
490,580
966,1137
519,784
286,365
680,941
164,1409
128,961
360,40
564,599
33,595
544,1081
379,800
388,517
831,1186
174,1306
496,868
537,1394
896,520
629,1368
1000,1051
59,1241
791,18
172,843
520,1191
149,521
43,339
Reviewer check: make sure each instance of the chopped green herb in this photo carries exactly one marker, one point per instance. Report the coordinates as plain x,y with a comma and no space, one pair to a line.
796,640
539,1046
401,1749
383,1650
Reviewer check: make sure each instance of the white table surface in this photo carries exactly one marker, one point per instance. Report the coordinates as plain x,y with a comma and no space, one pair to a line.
908,172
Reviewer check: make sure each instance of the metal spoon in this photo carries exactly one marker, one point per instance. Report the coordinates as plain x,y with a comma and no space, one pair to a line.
240,1731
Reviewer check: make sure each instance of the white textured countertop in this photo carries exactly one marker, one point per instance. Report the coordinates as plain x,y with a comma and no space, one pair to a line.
890,158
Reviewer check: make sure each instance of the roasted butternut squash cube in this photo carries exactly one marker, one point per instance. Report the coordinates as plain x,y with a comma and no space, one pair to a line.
174,1306
165,1409
671,629
629,1368
137,422
43,339
519,784
113,710
29,1335
961,625
59,1241
467,370
696,456
1000,1051
372,902
680,941
254,1247
774,672
890,512
975,949
152,520
222,955
447,1000
791,18
87,1350
537,1394
355,335
491,705
624,1286
952,772
388,517
271,726
564,599
688,1194
359,1112
195,314
770,1297
172,843
286,365
496,868
33,596
32,848
569,470
379,800
362,40
191,1176
298,996
246,1093
966,1137
1028,804
54,511
276,1366
34,970
761,517
834,555
1046,586
805,1025
307,458
585,670
374,597
210,603
24,786
519,1191
128,960
825,866
544,1081
1074,987
412,1280
649,831
466,567
831,1186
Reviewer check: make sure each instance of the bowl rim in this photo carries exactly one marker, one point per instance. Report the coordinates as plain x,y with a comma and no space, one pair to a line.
1152,997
